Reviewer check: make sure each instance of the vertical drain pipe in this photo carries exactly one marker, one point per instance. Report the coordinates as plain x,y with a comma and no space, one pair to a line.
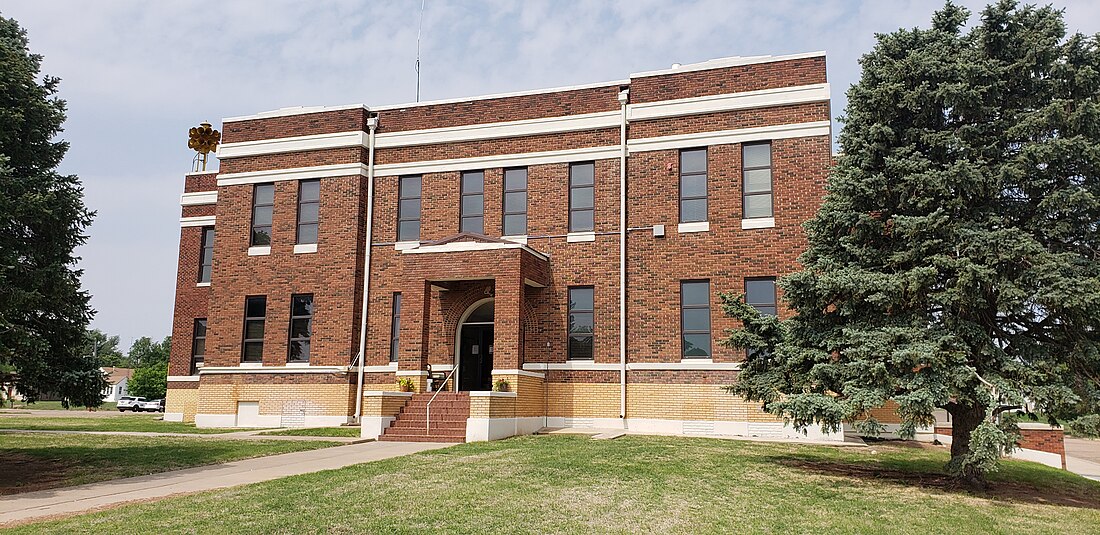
624,95
372,124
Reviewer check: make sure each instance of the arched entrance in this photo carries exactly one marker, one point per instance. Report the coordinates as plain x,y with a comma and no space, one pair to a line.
474,347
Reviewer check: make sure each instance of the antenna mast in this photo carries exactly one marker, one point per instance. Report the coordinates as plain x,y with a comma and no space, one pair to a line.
418,30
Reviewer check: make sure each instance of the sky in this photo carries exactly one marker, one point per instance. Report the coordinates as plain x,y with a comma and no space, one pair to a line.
137,74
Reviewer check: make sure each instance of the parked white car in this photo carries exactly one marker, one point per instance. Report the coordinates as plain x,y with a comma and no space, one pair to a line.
130,403
155,405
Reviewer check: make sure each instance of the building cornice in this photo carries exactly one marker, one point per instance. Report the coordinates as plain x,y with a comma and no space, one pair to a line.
197,221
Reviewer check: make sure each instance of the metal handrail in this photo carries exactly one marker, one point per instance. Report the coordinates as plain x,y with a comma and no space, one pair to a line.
428,407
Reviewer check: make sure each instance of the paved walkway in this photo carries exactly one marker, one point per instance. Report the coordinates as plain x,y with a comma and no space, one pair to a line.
75,413
1083,457
21,508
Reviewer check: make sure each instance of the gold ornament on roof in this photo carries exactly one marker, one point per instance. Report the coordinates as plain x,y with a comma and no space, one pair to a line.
204,140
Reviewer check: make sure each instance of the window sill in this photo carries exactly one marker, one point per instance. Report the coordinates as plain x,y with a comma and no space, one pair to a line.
757,222
518,239
252,364
297,364
403,245
262,250
202,284
575,237
305,248
698,226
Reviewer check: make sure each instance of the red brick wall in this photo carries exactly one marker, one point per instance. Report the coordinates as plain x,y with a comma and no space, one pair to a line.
303,124
728,80
330,274
191,301
492,147
291,160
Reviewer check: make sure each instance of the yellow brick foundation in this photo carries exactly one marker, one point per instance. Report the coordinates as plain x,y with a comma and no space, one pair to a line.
182,400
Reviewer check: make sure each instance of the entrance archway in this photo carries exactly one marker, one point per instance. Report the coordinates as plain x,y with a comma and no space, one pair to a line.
474,347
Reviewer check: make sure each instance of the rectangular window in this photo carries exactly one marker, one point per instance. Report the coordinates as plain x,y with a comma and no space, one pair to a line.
301,327
472,203
582,191
395,326
756,167
309,210
581,322
693,185
206,254
760,294
263,202
255,314
515,201
198,345
408,208
695,319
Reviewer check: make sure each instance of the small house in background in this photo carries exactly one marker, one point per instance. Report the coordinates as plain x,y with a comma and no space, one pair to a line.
116,383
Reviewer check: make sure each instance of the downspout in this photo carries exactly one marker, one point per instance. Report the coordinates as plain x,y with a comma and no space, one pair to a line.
623,97
372,125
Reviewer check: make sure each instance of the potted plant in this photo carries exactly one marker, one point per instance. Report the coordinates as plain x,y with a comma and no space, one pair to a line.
405,384
500,385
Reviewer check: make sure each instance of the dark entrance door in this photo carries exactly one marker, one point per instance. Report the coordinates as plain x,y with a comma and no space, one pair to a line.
475,364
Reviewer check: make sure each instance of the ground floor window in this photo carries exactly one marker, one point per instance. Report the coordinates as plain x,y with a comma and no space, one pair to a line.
581,337
255,316
695,319
198,345
301,327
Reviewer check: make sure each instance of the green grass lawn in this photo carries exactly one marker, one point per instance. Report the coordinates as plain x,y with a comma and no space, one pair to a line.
36,461
344,431
129,422
56,406
571,484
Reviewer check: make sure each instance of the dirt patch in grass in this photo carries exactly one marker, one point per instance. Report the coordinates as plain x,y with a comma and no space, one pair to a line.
23,473
1009,491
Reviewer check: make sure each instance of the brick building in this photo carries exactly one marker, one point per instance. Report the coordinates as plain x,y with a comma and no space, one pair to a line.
493,242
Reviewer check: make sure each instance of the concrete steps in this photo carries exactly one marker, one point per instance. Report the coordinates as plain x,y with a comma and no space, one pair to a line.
449,413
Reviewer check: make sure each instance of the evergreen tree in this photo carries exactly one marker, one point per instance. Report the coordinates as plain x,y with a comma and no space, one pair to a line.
43,311
955,261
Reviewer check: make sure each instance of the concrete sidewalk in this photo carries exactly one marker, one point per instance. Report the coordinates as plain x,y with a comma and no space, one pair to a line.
1083,457
21,508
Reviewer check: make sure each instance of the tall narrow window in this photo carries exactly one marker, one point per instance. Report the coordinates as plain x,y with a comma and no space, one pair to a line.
301,327
756,160
515,201
395,326
309,210
206,254
472,207
695,319
255,315
263,202
693,185
198,345
582,190
408,209
581,335
760,294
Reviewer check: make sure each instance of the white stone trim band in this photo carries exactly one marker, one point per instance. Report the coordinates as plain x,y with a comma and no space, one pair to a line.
213,370
183,378
198,198
197,221
297,173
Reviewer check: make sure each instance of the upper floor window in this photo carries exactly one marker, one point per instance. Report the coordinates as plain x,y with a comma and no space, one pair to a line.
255,315
760,294
582,190
756,159
263,202
515,201
695,319
693,185
198,345
472,204
581,337
206,254
395,326
309,210
301,327
408,208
